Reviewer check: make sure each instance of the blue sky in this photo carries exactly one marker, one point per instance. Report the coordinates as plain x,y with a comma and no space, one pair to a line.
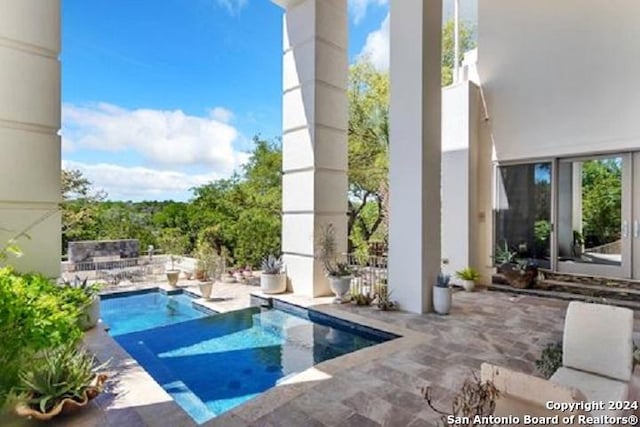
159,96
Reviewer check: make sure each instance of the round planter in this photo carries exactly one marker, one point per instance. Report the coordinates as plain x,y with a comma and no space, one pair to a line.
205,289
468,285
340,286
65,406
273,283
228,279
91,314
441,300
172,277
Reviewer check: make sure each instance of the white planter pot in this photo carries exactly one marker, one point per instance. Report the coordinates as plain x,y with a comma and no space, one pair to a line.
172,277
468,285
340,286
441,300
91,314
205,289
273,283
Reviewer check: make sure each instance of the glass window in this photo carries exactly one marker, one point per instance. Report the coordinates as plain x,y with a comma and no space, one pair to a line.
523,211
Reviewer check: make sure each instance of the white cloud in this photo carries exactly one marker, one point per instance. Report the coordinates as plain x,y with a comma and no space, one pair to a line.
139,183
376,48
233,6
358,8
167,138
222,114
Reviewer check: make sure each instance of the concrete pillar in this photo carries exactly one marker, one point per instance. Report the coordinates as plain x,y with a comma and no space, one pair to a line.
415,122
29,125
314,136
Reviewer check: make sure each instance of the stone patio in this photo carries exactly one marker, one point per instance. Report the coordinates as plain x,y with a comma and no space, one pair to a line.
379,385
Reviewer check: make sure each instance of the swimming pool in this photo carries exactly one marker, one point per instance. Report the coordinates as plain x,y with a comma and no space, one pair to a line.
212,364
146,310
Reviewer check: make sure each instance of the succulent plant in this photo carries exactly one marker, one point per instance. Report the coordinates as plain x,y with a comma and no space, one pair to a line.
272,265
443,280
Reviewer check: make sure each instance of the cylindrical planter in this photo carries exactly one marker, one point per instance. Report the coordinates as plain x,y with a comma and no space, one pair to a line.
441,300
172,277
205,289
468,285
273,283
340,286
91,314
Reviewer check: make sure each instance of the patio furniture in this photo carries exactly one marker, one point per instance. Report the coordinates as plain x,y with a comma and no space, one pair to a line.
522,394
597,353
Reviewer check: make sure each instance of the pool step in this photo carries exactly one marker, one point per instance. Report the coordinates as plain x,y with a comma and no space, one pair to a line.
188,400
278,322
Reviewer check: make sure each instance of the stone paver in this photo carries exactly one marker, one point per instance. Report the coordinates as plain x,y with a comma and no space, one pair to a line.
376,386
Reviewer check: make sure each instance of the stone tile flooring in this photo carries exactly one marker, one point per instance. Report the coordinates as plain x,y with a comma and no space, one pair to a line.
377,386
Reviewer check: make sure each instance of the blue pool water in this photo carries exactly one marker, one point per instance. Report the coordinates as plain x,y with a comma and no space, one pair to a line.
212,364
145,311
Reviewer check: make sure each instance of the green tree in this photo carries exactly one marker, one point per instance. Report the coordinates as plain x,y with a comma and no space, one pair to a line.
79,207
466,41
601,201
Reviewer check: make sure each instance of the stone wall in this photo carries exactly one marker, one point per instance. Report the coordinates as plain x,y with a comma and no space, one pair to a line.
86,251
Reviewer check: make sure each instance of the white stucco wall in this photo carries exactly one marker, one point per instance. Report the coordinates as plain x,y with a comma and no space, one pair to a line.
460,189
560,77
29,124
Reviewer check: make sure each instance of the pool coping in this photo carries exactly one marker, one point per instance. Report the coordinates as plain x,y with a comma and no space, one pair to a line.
105,347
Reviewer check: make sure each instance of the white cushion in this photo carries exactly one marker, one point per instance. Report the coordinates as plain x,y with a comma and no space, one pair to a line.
598,339
594,387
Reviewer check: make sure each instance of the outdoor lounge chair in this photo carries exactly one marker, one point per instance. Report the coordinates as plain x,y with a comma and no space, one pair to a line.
597,352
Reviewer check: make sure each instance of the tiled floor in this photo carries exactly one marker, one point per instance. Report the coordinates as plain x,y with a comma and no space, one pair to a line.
376,386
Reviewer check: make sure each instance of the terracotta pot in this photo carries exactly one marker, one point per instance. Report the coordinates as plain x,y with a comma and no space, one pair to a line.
65,406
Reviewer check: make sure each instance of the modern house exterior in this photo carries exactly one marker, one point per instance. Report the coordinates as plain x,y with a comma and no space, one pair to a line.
508,155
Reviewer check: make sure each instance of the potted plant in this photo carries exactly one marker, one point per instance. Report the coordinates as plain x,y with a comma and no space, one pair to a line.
63,379
339,273
174,244
208,266
468,275
442,294
521,273
90,309
272,279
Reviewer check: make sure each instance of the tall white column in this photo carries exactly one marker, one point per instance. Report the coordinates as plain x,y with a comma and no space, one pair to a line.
314,136
29,125
415,122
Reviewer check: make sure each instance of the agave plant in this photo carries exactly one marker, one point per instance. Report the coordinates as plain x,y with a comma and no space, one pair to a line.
272,265
59,373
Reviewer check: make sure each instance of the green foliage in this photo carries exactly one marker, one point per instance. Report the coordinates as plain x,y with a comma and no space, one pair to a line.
174,243
468,273
601,201
550,359
359,298
466,43
56,374
35,314
504,255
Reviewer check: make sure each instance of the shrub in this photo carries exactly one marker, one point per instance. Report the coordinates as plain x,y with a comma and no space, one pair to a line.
550,359
35,314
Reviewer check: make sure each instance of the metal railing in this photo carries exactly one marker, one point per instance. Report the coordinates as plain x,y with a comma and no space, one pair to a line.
369,274
113,271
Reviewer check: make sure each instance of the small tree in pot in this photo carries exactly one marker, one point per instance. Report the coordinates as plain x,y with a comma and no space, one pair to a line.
174,243
272,278
442,294
209,268
339,273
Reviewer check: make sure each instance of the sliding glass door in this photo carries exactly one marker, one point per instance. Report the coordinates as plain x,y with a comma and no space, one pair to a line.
594,215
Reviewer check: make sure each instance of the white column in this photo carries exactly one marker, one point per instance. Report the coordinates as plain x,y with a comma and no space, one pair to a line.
29,124
415,122
314,136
